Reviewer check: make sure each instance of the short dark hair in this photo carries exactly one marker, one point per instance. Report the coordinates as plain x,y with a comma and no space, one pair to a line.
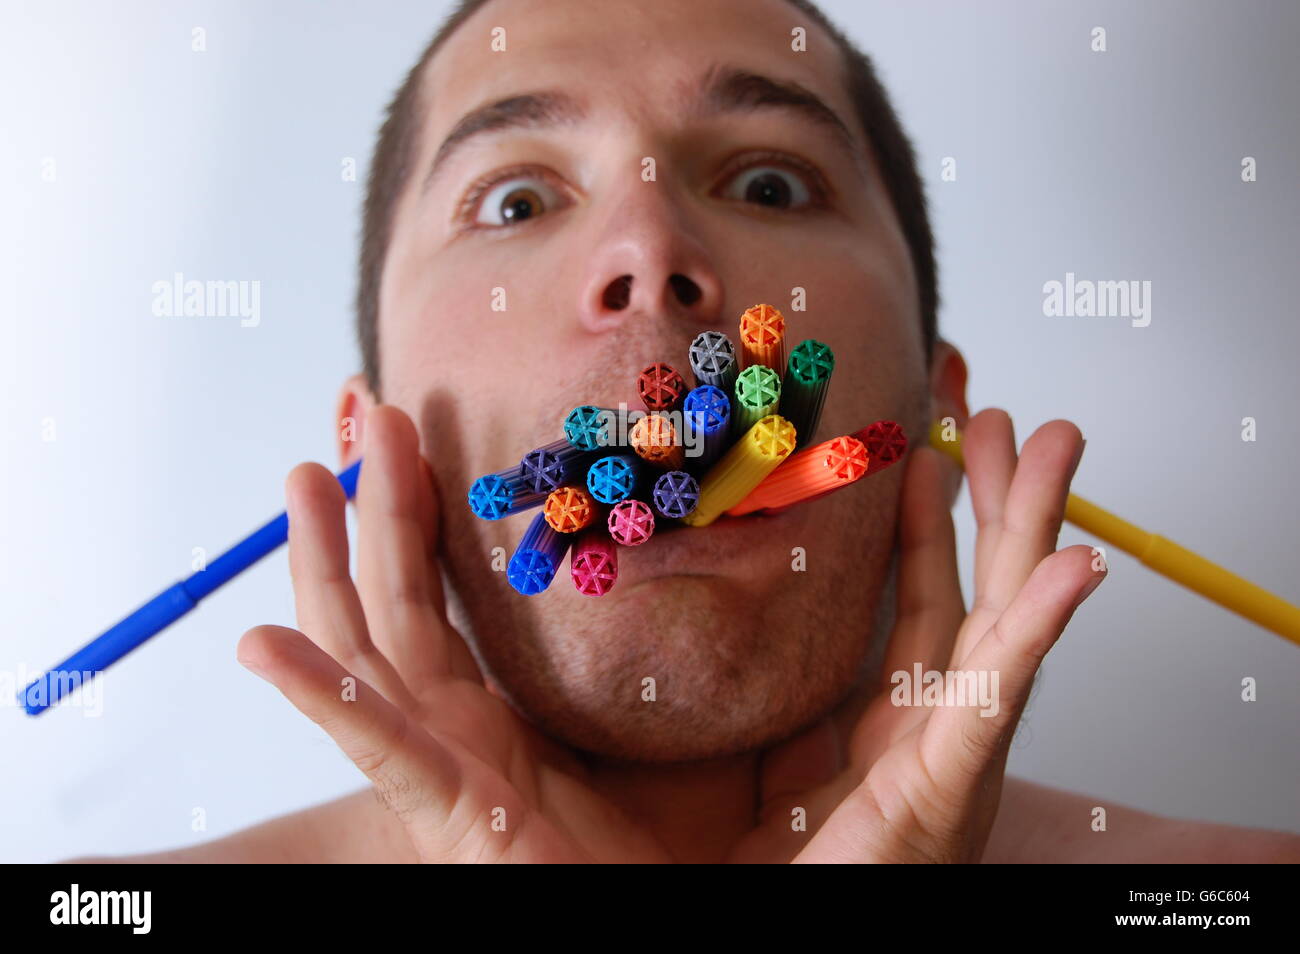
396,150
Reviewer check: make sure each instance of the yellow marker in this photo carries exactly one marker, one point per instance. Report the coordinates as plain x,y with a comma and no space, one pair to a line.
742,468
1168,558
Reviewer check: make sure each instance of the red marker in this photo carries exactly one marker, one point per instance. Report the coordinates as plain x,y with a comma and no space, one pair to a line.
885,442
661,387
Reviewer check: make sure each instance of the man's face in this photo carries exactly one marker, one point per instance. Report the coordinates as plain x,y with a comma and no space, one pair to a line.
746,637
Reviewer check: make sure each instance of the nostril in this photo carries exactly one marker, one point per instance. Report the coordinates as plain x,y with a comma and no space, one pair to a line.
618,293
687,292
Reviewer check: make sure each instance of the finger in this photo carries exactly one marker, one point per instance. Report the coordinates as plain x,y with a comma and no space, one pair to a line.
399,587
961,742
329,610
1030,524
930,606
463,663
413,774
989,451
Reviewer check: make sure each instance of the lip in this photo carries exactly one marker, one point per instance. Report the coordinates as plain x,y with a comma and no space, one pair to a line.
701,551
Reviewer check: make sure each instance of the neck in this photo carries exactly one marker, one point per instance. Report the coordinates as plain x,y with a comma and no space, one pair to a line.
699,811
696,810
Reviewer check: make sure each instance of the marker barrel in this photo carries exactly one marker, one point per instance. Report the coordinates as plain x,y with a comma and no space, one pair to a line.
714,361
589,428
631,522
803,390
676,494
551,466
494,496
807,475
762,338
885,442
762,448
655,441
615,478
570,509
593,563
538,556
661,387
164,609
706,414
758,393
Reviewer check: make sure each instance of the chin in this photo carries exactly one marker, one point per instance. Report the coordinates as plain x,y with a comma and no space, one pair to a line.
743,652
682,667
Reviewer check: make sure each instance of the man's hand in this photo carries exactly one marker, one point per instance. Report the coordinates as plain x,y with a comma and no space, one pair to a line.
923,783
392,682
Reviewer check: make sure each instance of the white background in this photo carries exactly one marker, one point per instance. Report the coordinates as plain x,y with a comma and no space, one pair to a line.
173,434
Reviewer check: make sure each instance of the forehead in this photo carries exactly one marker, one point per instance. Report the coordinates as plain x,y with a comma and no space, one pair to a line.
635,57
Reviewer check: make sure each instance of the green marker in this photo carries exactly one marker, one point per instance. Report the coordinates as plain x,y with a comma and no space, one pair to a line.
803,392
758,392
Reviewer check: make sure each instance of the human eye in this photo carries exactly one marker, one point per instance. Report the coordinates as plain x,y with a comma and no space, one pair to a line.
508,198
775,181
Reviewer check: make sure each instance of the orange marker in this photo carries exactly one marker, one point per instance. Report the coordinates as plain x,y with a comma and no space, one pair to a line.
655,439
762,338
569,509
808,474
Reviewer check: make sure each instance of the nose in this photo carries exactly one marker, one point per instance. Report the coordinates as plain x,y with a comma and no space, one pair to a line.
648,263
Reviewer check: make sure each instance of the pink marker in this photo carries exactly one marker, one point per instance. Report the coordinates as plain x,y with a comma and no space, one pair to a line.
631,522
593,563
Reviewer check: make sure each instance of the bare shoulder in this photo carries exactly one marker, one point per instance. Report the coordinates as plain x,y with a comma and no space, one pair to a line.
1036,823
354,828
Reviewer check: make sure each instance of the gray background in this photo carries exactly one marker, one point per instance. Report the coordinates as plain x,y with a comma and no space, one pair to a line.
226,164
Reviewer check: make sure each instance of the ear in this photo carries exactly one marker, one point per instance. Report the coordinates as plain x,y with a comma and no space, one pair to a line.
355,402
948,399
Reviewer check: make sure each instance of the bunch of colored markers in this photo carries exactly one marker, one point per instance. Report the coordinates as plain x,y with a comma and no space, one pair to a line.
731,445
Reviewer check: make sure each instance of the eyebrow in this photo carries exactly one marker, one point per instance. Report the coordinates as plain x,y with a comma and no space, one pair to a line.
720,91
726,89
526,111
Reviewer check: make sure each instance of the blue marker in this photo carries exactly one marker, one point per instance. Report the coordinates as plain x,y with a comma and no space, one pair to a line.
706,414
614,478
587,427
538,557
163,610
494,496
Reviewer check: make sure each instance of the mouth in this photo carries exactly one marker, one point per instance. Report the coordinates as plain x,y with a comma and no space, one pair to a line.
724,523
726,547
